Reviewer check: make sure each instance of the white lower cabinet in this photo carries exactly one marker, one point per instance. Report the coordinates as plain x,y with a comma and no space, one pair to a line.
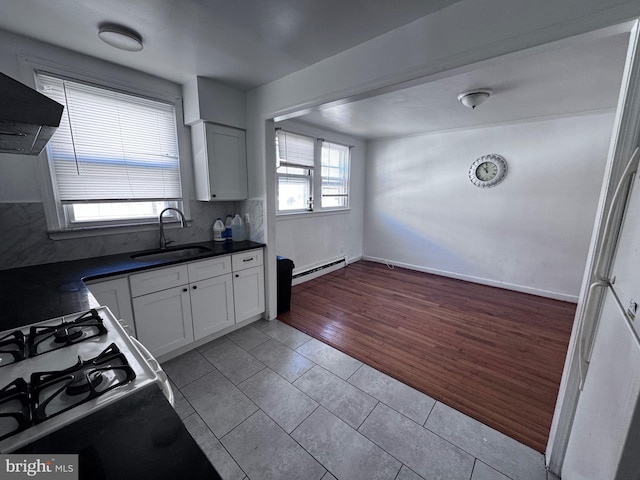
212,305
248,293
163,319
115,294
178,305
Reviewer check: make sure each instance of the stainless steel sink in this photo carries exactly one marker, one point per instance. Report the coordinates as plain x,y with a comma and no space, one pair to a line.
170,254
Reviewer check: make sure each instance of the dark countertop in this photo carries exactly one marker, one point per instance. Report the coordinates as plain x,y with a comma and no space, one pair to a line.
41,292
139,436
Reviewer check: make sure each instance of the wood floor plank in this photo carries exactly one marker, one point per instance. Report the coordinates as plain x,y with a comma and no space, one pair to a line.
494,354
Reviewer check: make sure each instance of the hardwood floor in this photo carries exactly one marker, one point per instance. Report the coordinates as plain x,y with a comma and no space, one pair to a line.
494,354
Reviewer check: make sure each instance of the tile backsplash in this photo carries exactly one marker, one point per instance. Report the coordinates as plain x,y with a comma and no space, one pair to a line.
24,239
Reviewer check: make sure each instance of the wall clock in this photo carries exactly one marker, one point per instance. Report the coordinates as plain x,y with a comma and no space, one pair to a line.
488,171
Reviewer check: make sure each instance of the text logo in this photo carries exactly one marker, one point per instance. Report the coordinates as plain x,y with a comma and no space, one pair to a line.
50,467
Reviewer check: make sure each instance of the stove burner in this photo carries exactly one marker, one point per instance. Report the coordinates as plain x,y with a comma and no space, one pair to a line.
12,348
15,415
56,392
66,334
84,382
43,339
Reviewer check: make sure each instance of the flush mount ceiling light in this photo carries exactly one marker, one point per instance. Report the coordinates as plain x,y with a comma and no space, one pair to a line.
473,98
120,37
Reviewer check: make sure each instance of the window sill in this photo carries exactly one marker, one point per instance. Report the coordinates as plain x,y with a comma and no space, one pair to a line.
321,213
102,230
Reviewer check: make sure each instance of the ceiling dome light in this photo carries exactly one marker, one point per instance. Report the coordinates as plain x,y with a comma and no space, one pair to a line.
473,98
120,37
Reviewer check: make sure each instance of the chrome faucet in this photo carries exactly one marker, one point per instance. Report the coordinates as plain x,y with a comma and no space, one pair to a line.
163,242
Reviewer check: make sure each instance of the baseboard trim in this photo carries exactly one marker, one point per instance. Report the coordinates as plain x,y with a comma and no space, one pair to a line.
316,271
483,281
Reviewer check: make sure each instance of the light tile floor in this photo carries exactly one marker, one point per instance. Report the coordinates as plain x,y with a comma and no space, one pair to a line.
268,402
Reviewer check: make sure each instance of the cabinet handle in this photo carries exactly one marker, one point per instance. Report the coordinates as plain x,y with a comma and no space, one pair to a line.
237,275
185,290
194,287
213,195
248,259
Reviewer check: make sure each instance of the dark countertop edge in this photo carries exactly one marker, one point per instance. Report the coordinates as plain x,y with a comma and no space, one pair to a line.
41,292
128,265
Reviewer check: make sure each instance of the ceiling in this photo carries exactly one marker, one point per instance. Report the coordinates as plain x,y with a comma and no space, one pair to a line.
569,78
240,43
248,43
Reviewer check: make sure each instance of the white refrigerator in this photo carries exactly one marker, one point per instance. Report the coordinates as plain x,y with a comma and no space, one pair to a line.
605,438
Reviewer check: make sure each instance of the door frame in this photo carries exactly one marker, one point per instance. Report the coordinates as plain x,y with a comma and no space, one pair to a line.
625,137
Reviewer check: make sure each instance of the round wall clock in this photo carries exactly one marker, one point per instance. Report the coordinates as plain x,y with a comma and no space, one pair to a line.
488,171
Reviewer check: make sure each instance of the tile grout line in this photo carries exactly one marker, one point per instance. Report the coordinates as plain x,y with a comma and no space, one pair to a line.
196,379
219,441
416,423
265,413
378,402
360,390
308,452
424,425
290,435
463,449
365,419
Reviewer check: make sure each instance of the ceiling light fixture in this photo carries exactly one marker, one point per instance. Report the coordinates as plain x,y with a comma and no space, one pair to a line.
120,37
473,98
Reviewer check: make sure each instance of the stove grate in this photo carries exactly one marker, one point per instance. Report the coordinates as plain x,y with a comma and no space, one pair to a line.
58,391
15,414
43,339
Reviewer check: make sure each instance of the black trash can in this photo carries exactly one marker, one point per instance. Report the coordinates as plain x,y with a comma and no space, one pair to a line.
285,272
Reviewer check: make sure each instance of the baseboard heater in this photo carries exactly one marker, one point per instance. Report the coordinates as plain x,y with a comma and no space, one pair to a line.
319,268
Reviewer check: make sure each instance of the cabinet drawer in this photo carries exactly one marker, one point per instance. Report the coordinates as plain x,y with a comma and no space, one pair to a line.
244,260
158,279
213,267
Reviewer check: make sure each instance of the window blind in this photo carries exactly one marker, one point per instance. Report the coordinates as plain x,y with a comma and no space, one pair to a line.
294,151
112,146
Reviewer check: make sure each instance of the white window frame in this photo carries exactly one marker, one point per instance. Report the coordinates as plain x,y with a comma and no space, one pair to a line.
315,179
306,179
346,179
59,222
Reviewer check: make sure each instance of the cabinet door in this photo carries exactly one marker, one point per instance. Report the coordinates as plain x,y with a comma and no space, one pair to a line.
212,305
248,293
115,294
163,319
220,162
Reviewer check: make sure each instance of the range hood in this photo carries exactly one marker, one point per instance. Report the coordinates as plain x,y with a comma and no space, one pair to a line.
28,119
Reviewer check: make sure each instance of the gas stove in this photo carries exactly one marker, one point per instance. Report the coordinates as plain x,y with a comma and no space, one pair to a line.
55,372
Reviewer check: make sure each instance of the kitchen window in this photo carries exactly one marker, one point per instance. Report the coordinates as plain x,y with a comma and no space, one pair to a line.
114,158
299,158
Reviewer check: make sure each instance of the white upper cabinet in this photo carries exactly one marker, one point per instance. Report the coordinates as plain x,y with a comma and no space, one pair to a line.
220,162
205,99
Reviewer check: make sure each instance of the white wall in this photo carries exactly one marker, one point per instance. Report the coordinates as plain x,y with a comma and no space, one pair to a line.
459,35
530,233
17,179
23,237
313,239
